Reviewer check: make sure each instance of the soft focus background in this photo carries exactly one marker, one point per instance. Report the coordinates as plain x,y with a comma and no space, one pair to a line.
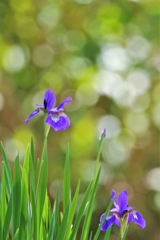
106,56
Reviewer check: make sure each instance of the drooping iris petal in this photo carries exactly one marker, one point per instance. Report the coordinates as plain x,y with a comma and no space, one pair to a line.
58,121
55,111
138,219
39,105
35,112
116,213
122,201
117,222
49,99
65,101
110,220
130,217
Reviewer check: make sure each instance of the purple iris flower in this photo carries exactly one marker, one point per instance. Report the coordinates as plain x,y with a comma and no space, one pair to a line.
56,117
120,211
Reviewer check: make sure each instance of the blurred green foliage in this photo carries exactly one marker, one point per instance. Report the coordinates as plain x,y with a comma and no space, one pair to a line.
105,55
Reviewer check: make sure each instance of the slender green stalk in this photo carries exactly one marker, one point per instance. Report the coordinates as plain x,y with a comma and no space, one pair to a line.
123,229
41,186
125,233
46,131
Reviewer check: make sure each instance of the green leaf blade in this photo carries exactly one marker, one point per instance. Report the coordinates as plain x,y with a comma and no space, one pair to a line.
66,185
99,228
82,208
86,225
7,172
16,197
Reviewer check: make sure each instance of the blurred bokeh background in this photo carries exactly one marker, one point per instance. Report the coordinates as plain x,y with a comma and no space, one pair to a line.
106,56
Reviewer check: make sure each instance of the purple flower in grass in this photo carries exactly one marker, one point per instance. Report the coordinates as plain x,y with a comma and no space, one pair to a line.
56,117
121,211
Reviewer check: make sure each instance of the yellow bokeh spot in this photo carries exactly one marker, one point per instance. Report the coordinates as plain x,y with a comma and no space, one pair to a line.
21,6
84,133
22,136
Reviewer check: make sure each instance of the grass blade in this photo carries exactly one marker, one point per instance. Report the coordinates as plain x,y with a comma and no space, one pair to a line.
24,204
63,226
83,206
26,160
56,217
3,202
87,221
16,236
7,173
0,227
16,197
45,214
51,228
108,233
72,211
32,151
90,237
7,219
66,186
105,215
44,231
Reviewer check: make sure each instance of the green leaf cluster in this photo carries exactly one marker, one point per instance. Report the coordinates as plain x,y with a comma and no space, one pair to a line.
25,208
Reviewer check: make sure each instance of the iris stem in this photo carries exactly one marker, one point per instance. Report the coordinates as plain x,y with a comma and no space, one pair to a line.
46,131
123,229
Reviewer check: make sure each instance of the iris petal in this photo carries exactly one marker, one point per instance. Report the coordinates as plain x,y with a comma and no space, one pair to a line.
50,99
110,220
116,213
35,112
65,101
130,217
58,121
125,193
122,201
39,105
55,111
138,219
113,194
114,210
117,222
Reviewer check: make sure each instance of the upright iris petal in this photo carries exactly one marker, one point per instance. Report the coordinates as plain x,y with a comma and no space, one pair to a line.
120,211
49,99
122,201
